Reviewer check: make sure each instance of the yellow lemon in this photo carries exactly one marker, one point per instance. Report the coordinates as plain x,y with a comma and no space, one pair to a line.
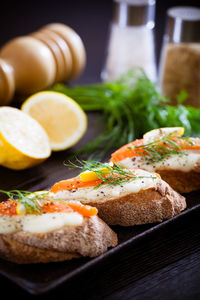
157,134
88,176
92,175
20,209
62,118
23,141
38,196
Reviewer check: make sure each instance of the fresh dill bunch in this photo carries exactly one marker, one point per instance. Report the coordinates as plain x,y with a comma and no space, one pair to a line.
129,107
113,174
161,149
32,204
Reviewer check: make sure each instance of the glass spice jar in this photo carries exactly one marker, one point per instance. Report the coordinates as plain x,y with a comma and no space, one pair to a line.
179,67
131,39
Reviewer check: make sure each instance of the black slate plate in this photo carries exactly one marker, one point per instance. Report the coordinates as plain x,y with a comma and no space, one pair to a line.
41,278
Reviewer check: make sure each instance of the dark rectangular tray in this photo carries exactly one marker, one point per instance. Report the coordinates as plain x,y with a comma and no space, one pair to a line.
40,278
141,249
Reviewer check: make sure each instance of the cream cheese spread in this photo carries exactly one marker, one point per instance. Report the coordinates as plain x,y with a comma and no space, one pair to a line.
188,162
38,224
107,191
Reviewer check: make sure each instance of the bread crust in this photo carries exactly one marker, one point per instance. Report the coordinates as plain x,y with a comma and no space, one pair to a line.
21,253
92,238
184,177
147,206
182,182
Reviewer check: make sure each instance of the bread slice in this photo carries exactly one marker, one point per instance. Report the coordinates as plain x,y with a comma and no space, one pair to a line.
92,238
21,253
182,182
181,170
154,204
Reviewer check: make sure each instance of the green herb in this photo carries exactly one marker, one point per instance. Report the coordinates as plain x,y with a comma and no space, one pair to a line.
31,204
183,95
130,107
160,149
114,174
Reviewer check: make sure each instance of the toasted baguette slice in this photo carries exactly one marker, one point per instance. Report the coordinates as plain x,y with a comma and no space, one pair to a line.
21,253
182,182
148,206
92,238
180,170
154,201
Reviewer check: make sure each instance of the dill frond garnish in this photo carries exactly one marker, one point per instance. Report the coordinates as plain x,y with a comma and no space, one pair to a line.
162,148
36,203
31,204
129,107
113,174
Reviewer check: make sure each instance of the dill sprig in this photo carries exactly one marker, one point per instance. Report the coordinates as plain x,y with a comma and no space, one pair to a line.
32,204
161,149
129,107
113,174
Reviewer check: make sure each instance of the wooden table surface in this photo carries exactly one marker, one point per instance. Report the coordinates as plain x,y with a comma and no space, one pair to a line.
167,266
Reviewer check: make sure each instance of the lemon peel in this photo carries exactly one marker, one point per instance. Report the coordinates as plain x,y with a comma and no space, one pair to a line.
23,142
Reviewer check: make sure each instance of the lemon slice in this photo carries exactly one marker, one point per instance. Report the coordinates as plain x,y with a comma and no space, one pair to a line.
157,134
23,141
62,118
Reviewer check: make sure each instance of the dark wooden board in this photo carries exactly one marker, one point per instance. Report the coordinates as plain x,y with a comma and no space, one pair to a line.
40,278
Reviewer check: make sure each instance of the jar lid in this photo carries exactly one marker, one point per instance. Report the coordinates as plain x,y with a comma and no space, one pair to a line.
134,12
183,24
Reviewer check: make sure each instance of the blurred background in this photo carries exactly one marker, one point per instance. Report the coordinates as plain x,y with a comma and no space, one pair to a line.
89,18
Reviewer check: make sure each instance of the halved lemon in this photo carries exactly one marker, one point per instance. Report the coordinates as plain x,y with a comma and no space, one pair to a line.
62,118
156,134
23,141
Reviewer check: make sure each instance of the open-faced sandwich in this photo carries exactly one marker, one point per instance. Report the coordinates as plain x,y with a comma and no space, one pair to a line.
39,229
167,152
122,196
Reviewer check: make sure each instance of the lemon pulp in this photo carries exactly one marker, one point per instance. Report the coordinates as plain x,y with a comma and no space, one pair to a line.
61,117
23,141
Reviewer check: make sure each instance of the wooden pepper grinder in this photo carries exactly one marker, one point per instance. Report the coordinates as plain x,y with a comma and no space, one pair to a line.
55,53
